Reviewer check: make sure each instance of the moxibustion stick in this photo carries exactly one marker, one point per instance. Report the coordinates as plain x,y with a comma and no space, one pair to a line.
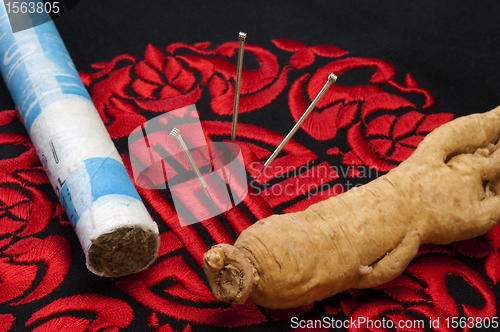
115,230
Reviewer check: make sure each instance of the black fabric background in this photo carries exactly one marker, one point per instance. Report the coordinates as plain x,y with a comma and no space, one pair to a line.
450,47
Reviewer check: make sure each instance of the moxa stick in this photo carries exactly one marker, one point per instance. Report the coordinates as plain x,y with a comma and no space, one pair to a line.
115,230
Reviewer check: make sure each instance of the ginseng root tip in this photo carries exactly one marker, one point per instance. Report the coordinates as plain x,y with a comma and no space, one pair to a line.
230,274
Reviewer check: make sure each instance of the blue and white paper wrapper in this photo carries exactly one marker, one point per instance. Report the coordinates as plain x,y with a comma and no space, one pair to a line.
79,157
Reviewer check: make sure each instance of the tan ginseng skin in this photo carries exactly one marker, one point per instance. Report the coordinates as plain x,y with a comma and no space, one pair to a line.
444,192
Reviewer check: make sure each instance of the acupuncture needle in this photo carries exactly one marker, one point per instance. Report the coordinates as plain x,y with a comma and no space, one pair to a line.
242,36
332,78
175,133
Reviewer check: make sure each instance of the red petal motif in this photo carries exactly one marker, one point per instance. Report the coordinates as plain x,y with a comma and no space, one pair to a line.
412,141
289,45
168,92
364,152
165,105
139,287
302,59
25,160
109,312
346,116
115,85
54,251
6,322
329,51
34,175
144,89
15,279
184,81
401,153
381,146
381,126
472,248
147,73
7,117
406,124
433,271
433,121
321,126
154,57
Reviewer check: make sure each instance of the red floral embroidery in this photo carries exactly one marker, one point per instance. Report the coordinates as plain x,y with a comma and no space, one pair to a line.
6,321
26,158
258,87
419,302
31,267
54,252
305,55
380,143
492,264
188,285
110,96
109,313
382,120
165,82
387,140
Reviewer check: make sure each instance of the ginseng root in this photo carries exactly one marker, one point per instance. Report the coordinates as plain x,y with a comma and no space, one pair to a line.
444,192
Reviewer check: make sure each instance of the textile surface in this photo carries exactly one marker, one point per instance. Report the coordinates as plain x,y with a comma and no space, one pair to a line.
403,69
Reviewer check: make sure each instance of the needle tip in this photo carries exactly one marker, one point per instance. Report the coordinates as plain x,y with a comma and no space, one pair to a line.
242,36
332,78
259,174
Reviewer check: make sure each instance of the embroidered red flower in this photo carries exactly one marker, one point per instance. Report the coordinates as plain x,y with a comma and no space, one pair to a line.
166,81
217,68
25,211
54,253
382,120
341,104
108,313
426,297
387,140
306,55
379,142
158,83
492,264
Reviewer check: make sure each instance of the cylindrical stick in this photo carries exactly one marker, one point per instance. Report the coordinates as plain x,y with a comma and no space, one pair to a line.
115,230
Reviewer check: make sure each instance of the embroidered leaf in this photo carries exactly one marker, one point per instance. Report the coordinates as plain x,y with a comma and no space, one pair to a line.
406,123
433,121
109,312
154,57
144,89
329,51
381,126
302,59
54,252
289,45
411,82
